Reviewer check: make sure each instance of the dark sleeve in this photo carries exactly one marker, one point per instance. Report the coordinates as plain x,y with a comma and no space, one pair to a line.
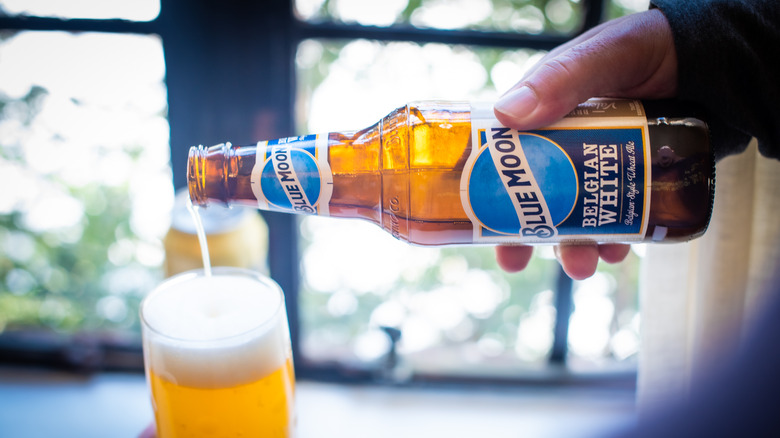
728,54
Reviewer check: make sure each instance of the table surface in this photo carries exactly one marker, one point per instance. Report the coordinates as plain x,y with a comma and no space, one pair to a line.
35,403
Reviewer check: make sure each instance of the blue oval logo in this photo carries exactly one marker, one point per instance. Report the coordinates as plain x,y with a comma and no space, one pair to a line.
521,183
291,179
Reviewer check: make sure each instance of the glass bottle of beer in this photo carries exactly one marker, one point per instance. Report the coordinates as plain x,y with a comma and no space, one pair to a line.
439,173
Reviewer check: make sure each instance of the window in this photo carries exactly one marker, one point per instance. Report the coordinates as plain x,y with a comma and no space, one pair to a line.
140,10
541,16
457,313
84,158
96,121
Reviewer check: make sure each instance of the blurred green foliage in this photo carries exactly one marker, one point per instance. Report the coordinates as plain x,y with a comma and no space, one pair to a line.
87,276
63,278
530,16
526,297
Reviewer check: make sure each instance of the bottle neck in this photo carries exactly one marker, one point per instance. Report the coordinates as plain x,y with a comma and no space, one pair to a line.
207,174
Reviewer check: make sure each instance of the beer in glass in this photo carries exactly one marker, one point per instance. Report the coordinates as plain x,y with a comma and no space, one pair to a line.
217,355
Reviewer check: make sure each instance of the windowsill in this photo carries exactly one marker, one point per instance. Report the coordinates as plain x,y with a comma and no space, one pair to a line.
38,403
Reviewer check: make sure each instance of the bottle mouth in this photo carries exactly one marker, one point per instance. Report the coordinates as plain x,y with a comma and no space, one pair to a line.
196,175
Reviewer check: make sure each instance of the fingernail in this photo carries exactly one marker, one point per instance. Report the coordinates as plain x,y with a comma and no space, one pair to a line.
517,103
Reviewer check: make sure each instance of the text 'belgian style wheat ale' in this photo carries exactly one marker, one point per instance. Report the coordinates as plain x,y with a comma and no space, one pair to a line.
217,356
439,173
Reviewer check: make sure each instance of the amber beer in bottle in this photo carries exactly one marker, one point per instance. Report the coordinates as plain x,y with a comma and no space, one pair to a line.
439,173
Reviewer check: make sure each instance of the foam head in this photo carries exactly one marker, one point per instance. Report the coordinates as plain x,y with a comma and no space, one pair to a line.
214,332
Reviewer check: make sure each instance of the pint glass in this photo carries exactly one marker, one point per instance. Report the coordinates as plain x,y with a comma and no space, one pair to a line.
217,356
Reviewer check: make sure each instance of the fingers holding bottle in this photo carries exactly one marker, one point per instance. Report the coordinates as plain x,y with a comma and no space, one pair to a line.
578,260
629,57
632,56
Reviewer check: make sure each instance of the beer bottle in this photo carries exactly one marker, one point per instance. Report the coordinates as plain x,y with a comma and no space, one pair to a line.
439,173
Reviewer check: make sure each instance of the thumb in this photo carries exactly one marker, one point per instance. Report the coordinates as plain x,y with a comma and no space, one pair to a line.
629,57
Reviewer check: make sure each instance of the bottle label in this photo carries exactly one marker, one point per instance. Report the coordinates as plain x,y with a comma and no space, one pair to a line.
292,175
583,178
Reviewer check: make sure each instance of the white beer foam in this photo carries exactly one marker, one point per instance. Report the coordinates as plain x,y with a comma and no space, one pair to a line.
215,332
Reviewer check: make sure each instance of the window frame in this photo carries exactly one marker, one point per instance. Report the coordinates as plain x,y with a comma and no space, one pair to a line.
230,74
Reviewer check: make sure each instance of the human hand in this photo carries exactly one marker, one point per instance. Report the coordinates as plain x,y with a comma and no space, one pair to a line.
578,260
632,56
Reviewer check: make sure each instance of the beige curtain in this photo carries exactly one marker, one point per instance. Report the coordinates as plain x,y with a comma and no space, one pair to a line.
698,298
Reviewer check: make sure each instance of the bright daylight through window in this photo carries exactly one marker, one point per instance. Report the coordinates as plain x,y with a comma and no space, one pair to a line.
533,16
135,10
84,149
457,312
